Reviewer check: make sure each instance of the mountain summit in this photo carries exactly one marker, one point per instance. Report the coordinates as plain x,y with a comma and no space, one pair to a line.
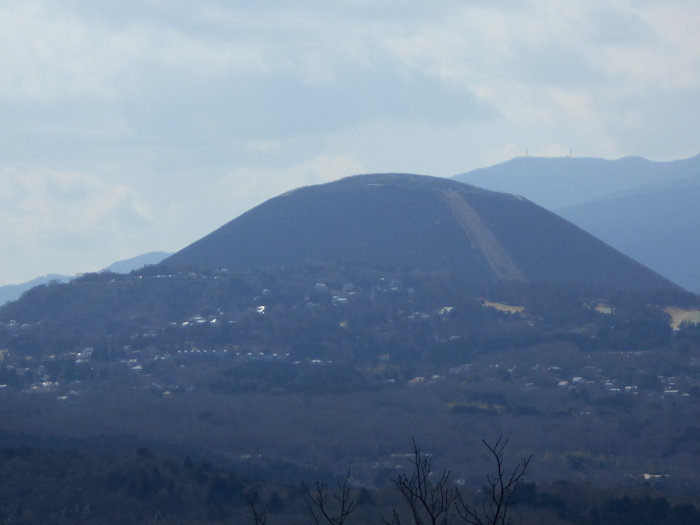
429,223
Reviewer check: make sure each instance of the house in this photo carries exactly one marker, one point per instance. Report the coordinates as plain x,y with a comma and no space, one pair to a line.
463,369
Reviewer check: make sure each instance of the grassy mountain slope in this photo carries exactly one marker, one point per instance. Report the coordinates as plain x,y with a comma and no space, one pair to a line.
426,222
659,228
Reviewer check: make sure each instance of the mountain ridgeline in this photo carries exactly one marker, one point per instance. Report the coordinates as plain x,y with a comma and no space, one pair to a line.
646,209
559,182
427,223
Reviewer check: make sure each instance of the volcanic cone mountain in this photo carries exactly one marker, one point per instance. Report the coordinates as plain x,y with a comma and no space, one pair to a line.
429,223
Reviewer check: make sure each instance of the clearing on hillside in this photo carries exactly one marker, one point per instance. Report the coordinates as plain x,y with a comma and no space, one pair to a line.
678,315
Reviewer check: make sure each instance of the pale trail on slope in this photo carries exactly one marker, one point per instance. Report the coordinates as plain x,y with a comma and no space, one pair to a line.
482,238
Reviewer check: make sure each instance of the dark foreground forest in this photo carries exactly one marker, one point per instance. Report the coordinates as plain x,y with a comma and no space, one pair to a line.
140,486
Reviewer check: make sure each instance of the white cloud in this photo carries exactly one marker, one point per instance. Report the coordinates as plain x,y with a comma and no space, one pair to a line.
529,60
503,154
501,55
46,213
670,58
48,53
256,184
254,147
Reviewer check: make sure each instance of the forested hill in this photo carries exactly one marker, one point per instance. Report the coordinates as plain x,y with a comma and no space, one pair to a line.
427,223
324,366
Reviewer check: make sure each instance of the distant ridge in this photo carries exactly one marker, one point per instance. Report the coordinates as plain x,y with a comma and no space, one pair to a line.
135,263
566,181
646,209
429,223
659,227
12,292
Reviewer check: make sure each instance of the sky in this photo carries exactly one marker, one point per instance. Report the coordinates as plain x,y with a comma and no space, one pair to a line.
133,126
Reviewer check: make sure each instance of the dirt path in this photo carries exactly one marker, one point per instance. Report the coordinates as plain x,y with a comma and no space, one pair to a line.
482,238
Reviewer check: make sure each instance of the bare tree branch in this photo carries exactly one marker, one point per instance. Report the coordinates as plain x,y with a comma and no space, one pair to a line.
495,504
429,504
259,516
319,508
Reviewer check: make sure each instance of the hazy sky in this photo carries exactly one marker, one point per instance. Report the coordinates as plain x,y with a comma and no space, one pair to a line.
132,126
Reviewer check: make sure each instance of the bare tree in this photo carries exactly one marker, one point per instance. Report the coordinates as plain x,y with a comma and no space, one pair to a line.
259,516
430,504
320,508
495,503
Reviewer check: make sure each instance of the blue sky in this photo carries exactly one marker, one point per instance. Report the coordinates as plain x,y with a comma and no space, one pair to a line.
135,126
